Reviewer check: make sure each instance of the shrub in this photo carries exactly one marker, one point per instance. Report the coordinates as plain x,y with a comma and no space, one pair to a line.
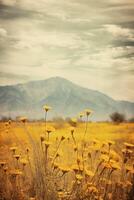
117,117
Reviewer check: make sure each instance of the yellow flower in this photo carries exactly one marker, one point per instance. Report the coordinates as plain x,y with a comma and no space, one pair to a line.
5,169
79,177
2,163
88,112
128,145
49,129
64,169
104,158
74,120
89,173
17,156
114,155
47,144
23,119
107,166
81,114
56,165
72,129
23,161
95,141
13,149
115,166
93,189
77,168
47,108
110,142
129,169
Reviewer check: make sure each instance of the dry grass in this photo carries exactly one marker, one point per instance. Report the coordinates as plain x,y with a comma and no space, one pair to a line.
93,161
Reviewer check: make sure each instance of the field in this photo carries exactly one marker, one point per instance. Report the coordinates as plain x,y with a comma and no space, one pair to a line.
53,161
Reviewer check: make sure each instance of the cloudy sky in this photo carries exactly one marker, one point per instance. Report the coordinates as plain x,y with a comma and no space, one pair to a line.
90,42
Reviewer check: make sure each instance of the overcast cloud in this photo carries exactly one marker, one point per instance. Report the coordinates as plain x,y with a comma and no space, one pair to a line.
90,42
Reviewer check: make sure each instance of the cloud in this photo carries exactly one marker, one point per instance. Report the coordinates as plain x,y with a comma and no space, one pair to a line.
87,41
119,32
3,32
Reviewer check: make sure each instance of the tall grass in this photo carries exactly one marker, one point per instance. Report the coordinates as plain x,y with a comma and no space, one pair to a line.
66,168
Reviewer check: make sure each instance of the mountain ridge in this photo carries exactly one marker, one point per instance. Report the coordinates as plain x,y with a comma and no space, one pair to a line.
66,98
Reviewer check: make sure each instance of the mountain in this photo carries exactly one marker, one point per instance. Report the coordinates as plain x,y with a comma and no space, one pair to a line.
65,97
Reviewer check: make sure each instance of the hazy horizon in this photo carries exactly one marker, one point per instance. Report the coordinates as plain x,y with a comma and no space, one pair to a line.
90,43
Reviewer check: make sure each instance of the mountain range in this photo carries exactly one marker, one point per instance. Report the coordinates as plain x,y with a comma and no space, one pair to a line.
66,99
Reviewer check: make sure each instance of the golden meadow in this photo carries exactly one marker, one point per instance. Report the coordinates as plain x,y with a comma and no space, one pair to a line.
81,160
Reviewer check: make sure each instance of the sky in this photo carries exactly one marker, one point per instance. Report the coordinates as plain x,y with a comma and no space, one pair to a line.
89,42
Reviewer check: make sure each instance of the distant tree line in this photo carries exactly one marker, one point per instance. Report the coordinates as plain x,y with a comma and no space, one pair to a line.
115,117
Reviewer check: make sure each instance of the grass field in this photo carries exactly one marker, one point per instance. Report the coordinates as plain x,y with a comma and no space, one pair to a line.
49,161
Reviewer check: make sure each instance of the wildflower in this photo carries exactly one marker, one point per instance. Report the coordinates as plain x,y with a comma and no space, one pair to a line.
72,129
49,130
61,194
47,144
23,119
107,166
47,108
74,120
104,158
114,155
58,155
56,165
93,189
62,138
104,152
23,162
89,173
129,169
17,156
75,148
13,149
77,168
2,163
88,112
42,138
64,169
115,166
110,142
81,115
95,141
128,145
5,169
79,177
